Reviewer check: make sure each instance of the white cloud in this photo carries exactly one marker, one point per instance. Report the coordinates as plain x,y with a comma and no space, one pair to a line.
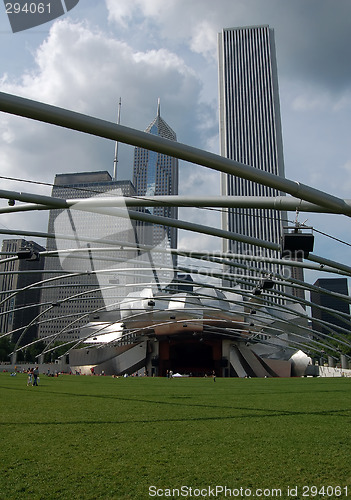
343,102
312,38
204,39
123,12
311,101
347,167
7,134
84,70
194,22
189,241
120,12
345,180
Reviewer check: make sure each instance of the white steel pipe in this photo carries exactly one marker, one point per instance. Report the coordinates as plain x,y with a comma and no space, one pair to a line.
83,123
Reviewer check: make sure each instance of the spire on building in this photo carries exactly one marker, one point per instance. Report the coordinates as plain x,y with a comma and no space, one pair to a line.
158,107
156,174
115,161
159,127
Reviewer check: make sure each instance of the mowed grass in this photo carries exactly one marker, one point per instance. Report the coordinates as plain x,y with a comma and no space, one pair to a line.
103,438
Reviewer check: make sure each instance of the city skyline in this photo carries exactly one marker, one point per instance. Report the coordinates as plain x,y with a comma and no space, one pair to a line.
151,181
139,55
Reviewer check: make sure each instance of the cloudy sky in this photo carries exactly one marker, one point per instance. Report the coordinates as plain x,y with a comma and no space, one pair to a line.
142,50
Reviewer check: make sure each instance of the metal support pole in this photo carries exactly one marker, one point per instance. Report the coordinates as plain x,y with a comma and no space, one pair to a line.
331,362
344,362
76,121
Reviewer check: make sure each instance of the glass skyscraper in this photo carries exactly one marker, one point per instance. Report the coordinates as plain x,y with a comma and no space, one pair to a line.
157,174
250,130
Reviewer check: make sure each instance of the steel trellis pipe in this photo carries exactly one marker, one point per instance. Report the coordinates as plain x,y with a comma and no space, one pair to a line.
83,123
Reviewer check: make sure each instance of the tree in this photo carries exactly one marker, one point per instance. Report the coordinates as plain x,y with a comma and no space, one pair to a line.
33,351
6,347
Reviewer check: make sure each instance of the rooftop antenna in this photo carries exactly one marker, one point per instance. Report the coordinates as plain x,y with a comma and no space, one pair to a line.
158,107
115,161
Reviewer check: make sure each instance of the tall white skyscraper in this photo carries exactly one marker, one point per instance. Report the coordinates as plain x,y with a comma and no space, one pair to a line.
250,129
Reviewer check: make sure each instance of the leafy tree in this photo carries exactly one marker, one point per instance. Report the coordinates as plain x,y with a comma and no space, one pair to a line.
60,349
33,351
6,347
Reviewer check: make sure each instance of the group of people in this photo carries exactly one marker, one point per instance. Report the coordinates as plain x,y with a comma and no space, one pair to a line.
33,376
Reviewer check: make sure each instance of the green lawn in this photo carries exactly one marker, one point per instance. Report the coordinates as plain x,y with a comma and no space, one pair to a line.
103,438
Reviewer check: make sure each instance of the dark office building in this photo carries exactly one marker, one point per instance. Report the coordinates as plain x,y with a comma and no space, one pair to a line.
330,301
16,278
